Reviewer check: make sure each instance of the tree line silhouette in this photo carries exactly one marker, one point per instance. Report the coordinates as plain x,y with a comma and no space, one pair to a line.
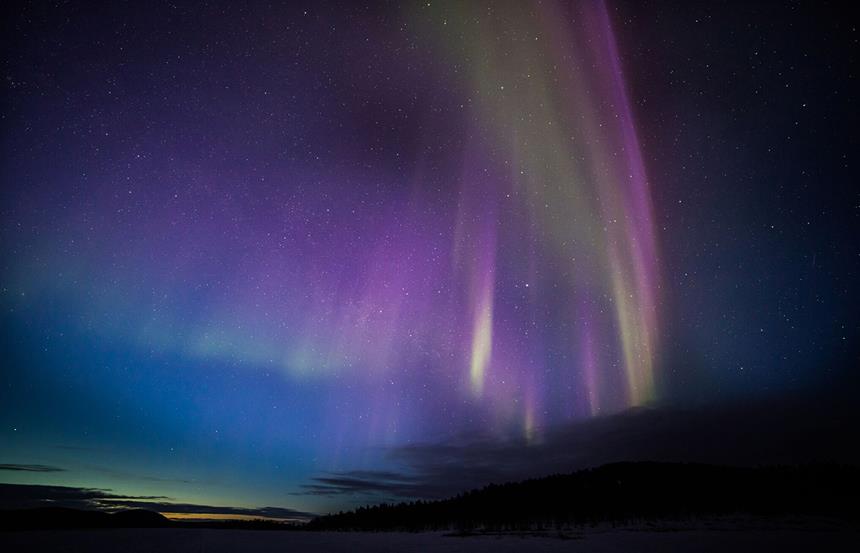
621,493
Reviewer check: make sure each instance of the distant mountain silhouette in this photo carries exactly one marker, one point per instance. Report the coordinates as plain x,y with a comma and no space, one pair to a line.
59,517
622,492
44,518
138,518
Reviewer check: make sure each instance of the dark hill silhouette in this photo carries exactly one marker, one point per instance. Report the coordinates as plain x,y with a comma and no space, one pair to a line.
44,518
60,517
622,492
138,518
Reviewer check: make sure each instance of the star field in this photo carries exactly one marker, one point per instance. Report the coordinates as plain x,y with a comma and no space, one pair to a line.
246,245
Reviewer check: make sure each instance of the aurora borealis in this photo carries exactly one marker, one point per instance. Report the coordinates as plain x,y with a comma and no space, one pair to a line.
250,251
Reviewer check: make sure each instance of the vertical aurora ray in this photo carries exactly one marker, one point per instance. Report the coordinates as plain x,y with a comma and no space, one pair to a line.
634,282
549,93
482,338
474,248
588,361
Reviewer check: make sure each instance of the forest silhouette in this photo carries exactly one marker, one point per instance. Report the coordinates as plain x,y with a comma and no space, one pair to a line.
621,493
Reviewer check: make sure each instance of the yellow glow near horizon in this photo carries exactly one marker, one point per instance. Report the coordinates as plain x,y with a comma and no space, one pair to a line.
221,517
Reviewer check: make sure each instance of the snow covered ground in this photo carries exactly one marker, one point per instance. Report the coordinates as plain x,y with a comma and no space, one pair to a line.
663,539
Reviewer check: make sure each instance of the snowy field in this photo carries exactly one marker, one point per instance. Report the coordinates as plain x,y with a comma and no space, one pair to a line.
784,540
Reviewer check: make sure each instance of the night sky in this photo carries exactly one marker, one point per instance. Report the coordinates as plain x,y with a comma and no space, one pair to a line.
271,260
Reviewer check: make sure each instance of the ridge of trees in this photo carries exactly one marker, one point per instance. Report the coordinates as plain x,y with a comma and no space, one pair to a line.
621,493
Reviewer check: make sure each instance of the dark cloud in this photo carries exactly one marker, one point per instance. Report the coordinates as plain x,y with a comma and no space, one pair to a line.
26,496
363,482
815,428
30,468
